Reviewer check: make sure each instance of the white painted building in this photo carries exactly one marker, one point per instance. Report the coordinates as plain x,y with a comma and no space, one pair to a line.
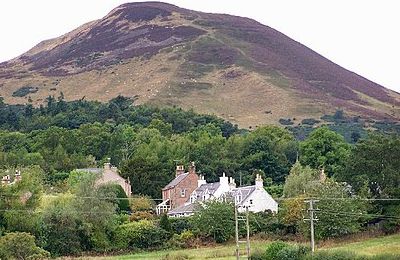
255,197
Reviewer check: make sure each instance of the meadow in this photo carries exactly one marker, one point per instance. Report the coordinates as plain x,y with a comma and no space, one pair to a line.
368,247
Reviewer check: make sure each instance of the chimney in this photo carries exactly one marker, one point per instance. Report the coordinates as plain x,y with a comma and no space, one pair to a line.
322,175
17,176
201,181
107,165
179,170
192,168
259,181
223,180
232,183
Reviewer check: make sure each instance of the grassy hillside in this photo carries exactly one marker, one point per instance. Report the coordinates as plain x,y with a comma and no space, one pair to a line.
233,67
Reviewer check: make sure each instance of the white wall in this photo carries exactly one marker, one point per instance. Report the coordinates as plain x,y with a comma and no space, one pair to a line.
261,201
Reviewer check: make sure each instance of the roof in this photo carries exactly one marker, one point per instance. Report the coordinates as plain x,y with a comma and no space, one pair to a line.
210,187
176,181
92,170
246,192
188,208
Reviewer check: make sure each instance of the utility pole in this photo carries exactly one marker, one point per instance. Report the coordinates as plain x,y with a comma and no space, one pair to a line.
248,232
237,232
312,218
247,241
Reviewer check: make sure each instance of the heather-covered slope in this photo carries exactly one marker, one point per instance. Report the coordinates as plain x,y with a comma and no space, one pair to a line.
231,66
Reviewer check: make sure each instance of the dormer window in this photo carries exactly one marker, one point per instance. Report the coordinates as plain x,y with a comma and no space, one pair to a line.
183,192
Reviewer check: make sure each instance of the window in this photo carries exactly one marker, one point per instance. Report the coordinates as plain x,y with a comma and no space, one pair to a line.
183,192
238,198
251,202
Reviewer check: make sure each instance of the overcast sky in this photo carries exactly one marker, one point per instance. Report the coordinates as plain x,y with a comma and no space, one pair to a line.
360,35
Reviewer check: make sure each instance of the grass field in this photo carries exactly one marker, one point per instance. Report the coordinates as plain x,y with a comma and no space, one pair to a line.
370,247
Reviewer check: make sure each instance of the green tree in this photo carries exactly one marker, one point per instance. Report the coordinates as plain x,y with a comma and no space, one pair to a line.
340,213
373,171
324,148
216,221
147,175
20,245
299,180
165,224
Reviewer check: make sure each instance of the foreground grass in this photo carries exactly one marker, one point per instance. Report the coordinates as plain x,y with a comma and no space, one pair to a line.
374,246
369,247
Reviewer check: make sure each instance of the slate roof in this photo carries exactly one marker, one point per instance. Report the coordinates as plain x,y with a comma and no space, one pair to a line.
246,192
210,187
92,170
188,208
176,181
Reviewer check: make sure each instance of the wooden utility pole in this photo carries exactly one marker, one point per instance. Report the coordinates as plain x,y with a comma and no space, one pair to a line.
237,232
248,232
312,218
247,241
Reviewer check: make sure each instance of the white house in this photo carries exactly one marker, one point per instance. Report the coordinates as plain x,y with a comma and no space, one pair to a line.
255,197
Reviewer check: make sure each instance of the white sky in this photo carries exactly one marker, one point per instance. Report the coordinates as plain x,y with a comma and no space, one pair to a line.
360,35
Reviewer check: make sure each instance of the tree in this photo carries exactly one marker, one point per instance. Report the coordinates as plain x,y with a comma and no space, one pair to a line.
324,148
299,180
165,224
64,231
215,220
340,212
20,245
147,175
373,170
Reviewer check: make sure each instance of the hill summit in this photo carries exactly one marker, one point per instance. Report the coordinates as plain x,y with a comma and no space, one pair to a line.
157,53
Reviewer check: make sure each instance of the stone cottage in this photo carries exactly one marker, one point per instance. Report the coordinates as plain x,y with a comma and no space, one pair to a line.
109,174
177,192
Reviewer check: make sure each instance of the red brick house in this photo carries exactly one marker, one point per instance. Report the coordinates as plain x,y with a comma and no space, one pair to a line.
177,192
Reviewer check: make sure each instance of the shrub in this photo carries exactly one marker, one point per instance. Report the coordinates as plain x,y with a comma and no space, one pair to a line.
286,121
184,240
273,249
293,252
165,224
142,234
257,255
180,225
20,245
309,121
215,221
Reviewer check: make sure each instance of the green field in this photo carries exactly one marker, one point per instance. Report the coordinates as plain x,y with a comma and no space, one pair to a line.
370,247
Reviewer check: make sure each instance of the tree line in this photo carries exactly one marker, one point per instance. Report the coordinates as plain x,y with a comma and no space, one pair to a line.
47,143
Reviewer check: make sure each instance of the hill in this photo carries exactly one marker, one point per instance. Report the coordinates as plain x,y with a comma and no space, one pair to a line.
160,54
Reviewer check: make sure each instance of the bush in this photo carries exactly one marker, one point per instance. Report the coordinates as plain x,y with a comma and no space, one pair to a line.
184,240
273,249
293,252
142,234
286,121
309,121
215,221
20,245
180,225
280,250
